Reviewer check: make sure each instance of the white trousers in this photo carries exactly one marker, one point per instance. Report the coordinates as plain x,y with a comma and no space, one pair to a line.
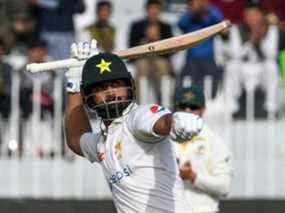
246,75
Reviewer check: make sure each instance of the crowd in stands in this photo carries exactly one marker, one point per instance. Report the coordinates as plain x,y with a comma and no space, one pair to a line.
149,29
241,60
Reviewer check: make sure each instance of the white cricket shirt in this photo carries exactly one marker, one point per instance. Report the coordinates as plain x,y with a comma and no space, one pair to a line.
139,165
211,160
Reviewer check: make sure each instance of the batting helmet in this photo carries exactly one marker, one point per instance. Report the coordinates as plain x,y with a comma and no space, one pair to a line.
102,68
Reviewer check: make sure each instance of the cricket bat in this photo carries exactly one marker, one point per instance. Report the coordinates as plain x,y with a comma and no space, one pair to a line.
164,46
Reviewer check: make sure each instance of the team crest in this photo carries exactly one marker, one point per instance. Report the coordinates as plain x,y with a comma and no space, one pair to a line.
189,96
104,66
118,149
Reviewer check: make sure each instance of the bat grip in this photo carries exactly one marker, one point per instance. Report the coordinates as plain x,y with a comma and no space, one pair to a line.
54,65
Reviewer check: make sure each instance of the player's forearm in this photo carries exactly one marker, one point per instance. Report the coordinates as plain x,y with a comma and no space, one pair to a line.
181,126
76,122
216,185
163,125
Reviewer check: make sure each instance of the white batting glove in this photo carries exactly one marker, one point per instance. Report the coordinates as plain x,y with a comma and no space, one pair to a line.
185,126
79,51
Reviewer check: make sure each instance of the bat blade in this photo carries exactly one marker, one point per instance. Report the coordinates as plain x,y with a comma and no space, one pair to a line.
172,44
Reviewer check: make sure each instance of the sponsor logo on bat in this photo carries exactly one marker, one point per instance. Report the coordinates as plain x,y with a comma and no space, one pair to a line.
151,48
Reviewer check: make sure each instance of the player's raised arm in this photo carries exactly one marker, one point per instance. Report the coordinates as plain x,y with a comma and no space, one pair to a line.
74,115
181,126
76,120
154,122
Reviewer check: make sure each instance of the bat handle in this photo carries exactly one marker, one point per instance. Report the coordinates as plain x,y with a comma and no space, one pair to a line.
60,64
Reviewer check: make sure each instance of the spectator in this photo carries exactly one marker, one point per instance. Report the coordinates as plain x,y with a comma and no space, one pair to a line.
37,53
27,94
5,84
200,59
150,29
55,23
253,67
10,11
102,30
276,8
205,162
232,10
23,30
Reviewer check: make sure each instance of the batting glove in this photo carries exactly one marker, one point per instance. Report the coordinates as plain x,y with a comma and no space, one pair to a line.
185,126
79,51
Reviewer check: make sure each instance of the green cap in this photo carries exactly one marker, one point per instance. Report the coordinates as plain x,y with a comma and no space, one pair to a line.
193,95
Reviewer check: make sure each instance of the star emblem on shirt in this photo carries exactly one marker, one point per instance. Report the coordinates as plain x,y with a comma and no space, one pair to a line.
104,66
118,148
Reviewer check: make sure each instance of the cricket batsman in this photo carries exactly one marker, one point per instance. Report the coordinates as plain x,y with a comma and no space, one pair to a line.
205,162
133,145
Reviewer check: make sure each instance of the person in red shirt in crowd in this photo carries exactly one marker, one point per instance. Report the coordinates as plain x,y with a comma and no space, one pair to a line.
231,9
234,9
276,8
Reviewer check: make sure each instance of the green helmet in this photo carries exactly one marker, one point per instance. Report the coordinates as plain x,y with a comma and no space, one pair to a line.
102,68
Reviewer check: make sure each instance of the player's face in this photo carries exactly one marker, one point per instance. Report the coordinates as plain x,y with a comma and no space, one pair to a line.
153,11
196,6
37,54
254,18
104,13
192,109
115,90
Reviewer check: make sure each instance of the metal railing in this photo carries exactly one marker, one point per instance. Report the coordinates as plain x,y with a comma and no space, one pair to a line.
34,161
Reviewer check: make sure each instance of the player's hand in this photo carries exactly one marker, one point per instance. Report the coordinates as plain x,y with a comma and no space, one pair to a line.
84,50
186,172
185,126
80,51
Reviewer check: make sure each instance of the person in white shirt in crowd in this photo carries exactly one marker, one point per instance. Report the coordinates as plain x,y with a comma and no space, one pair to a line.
133,145
249,56
205,162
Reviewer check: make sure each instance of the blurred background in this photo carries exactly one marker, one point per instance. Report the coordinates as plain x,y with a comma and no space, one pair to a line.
242,71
